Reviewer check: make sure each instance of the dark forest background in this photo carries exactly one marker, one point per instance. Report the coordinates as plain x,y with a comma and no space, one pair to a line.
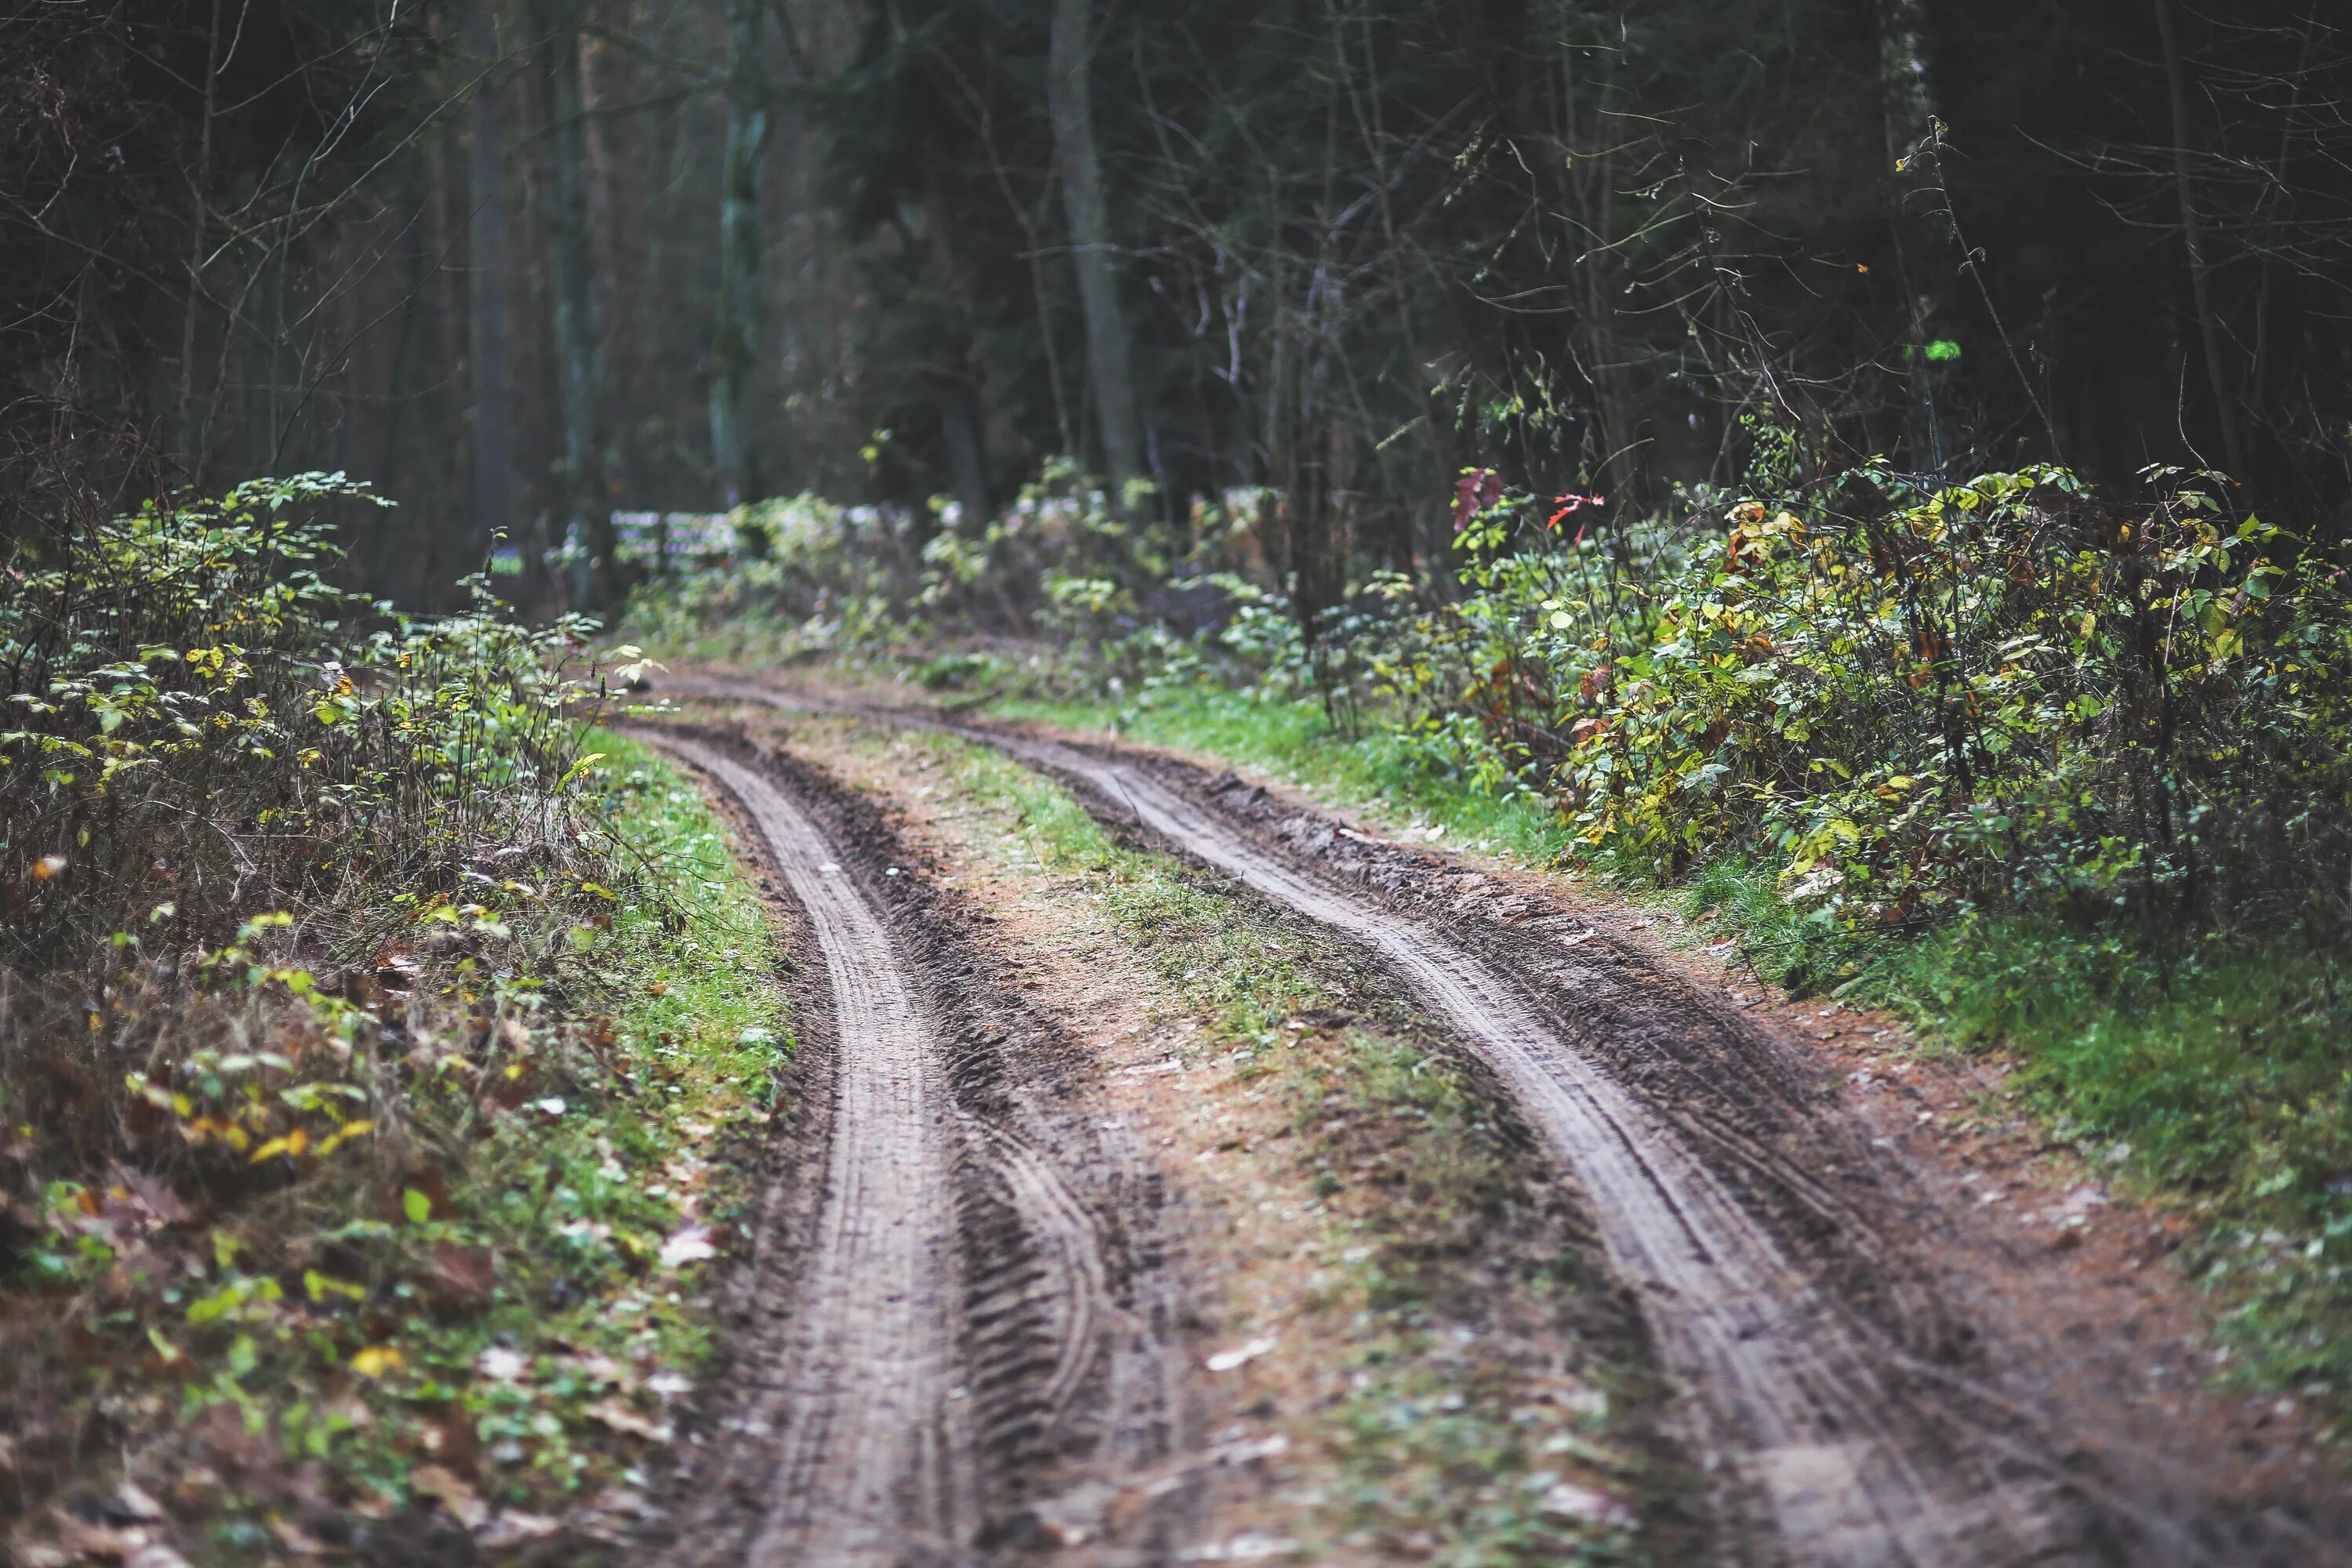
521,264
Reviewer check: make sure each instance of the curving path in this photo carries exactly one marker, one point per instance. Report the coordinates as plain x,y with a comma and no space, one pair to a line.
1847,1476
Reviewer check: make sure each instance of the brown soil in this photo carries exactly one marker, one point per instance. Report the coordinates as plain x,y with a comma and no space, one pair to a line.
2041,1447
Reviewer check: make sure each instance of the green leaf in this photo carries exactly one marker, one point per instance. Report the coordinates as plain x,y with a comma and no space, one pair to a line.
418,1207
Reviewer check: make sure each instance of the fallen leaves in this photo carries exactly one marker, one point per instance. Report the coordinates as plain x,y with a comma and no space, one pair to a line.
77,1541
453,1492
152,1197
1565,1499
501,1364
513,1527
688,1243
461,1279
612,1414
1240,1355
134,1504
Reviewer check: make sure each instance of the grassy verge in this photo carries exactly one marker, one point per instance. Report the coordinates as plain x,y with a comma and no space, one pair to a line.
2212,1078
1413,783
430,1265
1445,1445
607,1206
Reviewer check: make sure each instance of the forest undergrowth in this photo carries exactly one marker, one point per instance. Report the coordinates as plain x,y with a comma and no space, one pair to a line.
2041,769
367,1079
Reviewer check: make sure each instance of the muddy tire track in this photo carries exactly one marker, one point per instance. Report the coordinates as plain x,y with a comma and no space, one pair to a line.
873,1444
1794,1386
976,1305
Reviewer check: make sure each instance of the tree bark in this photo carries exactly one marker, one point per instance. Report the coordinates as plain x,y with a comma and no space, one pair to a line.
960,421
1110,353
735,346
487,291
196,240
579,318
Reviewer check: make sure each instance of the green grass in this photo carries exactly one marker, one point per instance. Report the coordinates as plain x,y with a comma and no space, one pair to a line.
1380,772
1214,956
2217,1079
582,1203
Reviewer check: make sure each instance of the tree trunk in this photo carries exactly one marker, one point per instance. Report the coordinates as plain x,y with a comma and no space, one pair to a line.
1908,116
197,238
487,293
1109,350
2193,239
967,375
735,346
579,324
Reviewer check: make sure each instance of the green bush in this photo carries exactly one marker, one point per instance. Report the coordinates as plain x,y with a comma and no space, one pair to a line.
200,726
2004,693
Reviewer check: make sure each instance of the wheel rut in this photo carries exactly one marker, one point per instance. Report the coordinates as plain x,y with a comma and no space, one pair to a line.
1852,1417
972,1292
873,1447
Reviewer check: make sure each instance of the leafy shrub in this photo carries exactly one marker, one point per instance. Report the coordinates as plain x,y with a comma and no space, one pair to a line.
302,900
1910,697
201,725
823,577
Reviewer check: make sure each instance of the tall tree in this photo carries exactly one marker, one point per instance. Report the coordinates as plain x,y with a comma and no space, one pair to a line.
487,291
1110,348
578,314
735,346
2192,242
1909,115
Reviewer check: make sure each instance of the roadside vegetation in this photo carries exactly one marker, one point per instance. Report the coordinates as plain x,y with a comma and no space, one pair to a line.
366,1062
2040,768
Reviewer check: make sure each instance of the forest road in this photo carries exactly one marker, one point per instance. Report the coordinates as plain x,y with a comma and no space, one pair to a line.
961,1295
1855,1423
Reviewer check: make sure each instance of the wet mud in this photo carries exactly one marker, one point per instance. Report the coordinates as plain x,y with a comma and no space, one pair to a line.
1788,1261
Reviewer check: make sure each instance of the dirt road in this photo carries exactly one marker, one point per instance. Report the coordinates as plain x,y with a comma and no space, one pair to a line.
1854,1416
1797,1387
